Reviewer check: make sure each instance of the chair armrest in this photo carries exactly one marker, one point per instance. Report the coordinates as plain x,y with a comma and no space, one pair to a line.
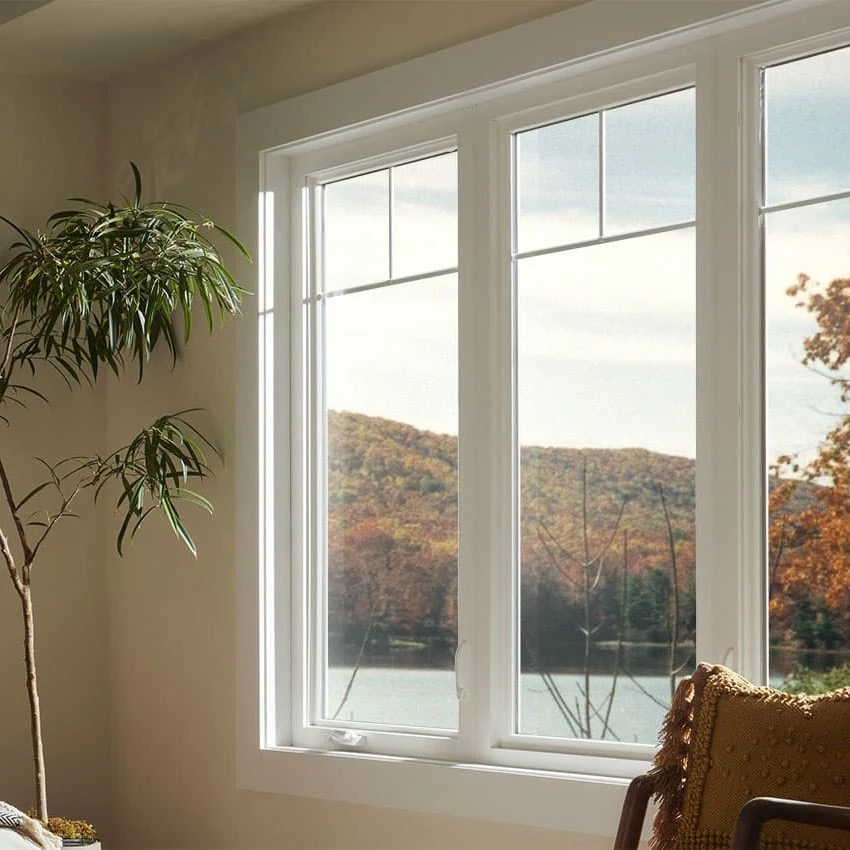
633,813
758,811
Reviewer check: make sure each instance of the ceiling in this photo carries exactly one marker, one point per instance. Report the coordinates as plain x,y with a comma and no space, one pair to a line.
97,39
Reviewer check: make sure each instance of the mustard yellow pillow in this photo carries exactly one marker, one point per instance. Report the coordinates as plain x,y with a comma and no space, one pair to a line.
726,741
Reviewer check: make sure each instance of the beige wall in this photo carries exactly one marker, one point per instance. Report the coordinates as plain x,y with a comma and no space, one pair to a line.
53,146
172,625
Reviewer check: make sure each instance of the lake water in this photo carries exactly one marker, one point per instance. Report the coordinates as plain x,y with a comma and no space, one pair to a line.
401,696
404,697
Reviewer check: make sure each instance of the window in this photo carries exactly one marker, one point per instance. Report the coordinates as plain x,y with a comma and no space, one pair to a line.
805,212
532,347
605,324
384,446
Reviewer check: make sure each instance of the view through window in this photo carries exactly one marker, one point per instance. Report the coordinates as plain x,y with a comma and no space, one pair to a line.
389,411
806,222
605,278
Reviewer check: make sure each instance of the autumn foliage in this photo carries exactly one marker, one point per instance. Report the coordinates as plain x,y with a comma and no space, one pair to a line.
606,535
810,536
393,531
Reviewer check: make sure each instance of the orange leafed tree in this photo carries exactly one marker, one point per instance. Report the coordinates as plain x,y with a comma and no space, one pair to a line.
810,537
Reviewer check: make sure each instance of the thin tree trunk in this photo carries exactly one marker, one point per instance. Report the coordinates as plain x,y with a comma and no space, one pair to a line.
618,658
674,576
359,661
35,708
586,566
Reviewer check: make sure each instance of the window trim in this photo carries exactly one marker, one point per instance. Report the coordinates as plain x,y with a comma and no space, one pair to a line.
544,53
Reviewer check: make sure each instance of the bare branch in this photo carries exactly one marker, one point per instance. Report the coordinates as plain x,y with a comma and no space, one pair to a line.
567,555
644,691
372,617
674,576
555,692
620,631
610,541
551,555
598,575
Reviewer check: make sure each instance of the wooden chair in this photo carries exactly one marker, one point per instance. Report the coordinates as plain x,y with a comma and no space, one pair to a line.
748,826
743,745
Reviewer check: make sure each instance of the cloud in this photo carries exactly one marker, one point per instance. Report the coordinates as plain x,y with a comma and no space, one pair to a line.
606,333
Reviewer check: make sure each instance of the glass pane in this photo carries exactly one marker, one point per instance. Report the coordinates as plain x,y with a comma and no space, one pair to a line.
808,333
391,391
425,216
606,339
357,225
558,184
808,127
650,163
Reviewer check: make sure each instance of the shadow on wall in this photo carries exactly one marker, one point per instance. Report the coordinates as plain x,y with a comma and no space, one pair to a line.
191,111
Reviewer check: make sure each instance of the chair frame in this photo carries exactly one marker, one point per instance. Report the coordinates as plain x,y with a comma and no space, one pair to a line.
753,816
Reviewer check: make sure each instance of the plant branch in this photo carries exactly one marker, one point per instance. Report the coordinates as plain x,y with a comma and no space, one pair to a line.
5,372
63,512
22,535
9,558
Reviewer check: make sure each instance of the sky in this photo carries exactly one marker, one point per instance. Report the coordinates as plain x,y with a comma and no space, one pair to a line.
605,333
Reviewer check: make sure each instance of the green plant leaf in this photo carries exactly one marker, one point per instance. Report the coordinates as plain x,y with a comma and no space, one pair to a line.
34,492
103,284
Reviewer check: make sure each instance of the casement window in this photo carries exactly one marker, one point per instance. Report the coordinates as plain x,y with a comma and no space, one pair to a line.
546,412
381,318
604,302
804,215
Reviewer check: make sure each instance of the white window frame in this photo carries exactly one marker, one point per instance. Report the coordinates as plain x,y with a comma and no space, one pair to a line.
313,170
477,93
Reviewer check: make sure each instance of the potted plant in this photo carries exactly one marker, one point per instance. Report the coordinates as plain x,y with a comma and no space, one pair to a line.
98,290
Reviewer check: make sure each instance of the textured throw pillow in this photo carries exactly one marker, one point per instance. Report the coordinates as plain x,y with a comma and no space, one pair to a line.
10,816
726,741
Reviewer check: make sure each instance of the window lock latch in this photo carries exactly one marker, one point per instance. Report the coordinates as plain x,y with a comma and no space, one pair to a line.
347,738
460,671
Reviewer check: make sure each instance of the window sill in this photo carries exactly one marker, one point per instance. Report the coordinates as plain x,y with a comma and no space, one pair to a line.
556,800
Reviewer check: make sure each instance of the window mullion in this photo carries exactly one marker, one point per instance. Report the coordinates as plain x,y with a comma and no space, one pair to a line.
473,444
720,294
501,242
753,475
317,607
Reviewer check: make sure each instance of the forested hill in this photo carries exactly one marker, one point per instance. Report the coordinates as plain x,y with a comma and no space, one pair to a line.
612,526
392,532
387,471
380,466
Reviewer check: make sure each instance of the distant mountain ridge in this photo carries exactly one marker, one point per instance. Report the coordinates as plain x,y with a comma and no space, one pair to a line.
379,467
